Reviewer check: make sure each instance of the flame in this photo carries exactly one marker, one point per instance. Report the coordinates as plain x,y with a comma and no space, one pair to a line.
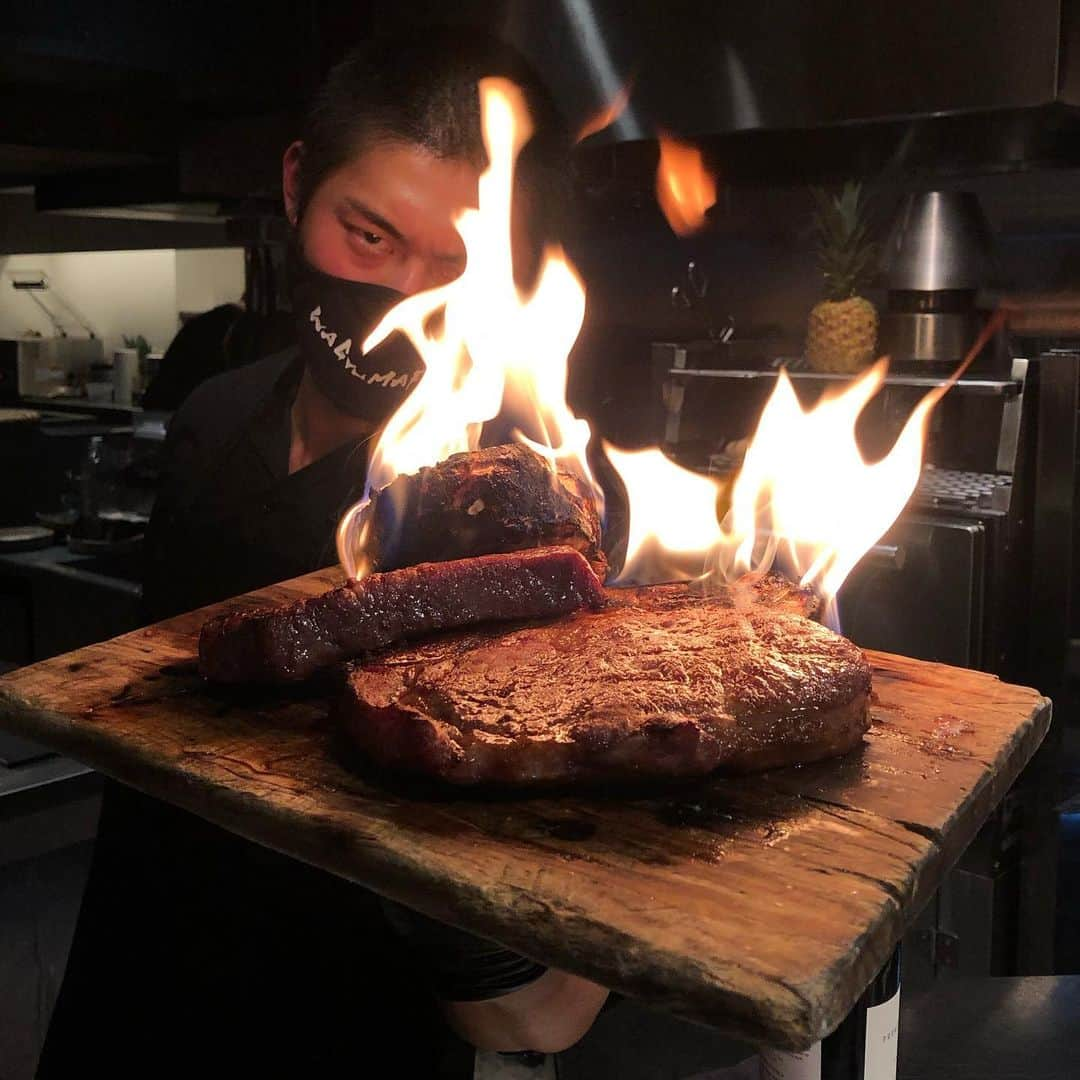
488,347
607,115
685,189
805,492
805,498
805,495
673,518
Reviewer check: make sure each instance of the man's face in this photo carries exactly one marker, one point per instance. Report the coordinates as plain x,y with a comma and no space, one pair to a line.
386,217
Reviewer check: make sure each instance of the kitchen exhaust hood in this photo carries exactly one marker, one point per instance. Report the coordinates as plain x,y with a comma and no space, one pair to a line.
231,171
795,85
779,90
704,68
145,192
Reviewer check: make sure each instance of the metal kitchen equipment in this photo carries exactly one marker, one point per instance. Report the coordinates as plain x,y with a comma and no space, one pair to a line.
936,258
38,367
940,241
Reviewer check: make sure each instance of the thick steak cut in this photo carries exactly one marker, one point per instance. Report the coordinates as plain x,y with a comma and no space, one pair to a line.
291,642
502,498
659,683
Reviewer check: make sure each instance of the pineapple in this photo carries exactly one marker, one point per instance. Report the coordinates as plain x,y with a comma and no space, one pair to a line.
842,333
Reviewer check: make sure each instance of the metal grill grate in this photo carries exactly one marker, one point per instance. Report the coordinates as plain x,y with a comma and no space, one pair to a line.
952,489
963,490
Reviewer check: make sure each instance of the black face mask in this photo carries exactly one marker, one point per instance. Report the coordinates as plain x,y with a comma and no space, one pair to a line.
333,318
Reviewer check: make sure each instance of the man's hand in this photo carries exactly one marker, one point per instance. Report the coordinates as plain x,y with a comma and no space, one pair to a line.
548,1015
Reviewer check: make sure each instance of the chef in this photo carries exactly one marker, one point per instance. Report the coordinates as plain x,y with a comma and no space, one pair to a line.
198,953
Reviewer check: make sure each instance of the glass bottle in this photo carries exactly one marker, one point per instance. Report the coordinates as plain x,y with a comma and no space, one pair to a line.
863,1047
90,482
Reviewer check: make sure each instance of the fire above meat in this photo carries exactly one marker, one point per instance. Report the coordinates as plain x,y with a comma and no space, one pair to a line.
488,346
685,189
805,494
673,523
805,499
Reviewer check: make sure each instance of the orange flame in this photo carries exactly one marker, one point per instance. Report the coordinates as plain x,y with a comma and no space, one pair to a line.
494,347
806,490
607,115
805,495
673,521
685,189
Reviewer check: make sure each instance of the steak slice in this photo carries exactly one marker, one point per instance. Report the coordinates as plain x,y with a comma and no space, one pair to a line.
291,642
660,683
502,498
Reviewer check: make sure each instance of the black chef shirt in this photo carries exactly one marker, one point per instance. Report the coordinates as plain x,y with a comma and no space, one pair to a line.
229,517
198,953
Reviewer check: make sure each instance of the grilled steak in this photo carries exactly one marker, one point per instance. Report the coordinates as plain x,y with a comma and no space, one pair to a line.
659,683
503,498
291,642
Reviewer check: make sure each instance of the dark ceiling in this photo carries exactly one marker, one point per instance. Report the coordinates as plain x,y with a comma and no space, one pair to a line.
104,84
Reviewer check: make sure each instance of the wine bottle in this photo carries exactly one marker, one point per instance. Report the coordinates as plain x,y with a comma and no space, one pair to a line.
863,1047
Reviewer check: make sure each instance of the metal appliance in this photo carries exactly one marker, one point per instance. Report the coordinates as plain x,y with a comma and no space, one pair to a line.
34,365
38,367
936,259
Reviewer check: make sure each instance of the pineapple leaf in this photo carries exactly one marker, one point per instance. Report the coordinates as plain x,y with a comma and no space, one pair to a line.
846,252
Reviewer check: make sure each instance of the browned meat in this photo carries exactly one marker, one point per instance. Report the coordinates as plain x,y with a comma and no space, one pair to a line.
760,590
503,498
291,642
660,683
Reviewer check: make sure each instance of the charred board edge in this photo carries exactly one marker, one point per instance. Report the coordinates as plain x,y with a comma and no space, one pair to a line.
720,992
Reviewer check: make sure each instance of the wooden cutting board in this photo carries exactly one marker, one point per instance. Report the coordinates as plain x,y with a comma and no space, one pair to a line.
761,905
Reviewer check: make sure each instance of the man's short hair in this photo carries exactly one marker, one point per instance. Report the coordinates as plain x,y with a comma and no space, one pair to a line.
420,88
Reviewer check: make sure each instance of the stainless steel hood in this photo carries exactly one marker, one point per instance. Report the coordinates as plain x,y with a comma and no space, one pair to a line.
783,90
143,192
231,170
805,90
707,68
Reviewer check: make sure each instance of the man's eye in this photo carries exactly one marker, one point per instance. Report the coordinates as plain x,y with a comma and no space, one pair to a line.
372,239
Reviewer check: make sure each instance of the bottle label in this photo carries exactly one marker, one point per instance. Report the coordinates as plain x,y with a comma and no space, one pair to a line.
784,1065
882,1039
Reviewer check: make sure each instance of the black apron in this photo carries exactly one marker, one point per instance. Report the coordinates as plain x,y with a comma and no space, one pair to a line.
198,953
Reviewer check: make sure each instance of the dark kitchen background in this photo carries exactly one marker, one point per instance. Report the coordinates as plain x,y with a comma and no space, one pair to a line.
140,154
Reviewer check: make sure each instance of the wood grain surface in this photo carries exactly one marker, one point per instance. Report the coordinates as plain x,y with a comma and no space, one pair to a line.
761,905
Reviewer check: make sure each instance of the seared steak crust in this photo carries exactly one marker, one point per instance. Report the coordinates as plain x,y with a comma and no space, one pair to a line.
501,498
659,683
291,642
